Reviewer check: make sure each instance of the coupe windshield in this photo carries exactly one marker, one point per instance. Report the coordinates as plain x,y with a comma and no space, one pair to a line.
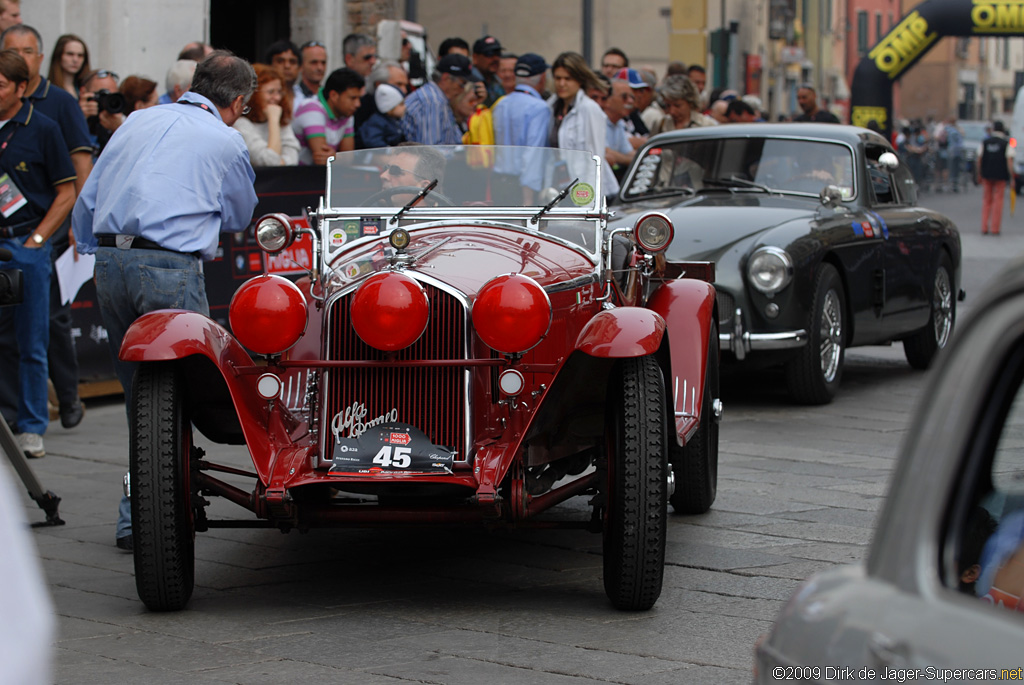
742,165
467,176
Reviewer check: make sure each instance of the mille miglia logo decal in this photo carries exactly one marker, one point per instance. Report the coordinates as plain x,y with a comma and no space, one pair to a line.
352,419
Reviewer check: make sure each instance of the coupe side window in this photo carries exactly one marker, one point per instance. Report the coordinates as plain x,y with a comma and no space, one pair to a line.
883,185
988,562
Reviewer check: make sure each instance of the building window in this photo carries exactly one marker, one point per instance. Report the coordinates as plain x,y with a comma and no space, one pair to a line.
878,26
862,32
1006,53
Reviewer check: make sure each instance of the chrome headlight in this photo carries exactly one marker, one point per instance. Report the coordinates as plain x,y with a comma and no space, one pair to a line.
653,232
769,270
274,233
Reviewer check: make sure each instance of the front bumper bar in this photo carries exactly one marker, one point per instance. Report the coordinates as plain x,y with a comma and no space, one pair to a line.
741,341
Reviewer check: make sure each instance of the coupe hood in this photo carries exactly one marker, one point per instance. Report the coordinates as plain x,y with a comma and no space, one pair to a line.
706,226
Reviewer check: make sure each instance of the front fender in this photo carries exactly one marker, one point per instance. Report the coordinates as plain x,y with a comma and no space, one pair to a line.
621,333
687,306
170,334
178,335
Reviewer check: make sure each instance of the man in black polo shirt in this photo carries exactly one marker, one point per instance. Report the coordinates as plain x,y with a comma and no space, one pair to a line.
807,98
62,108
36,194
994,172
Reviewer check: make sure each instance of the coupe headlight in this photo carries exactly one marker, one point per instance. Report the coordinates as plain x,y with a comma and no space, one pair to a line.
274,233
769,270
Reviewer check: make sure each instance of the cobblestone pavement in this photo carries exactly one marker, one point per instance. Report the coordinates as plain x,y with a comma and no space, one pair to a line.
798,492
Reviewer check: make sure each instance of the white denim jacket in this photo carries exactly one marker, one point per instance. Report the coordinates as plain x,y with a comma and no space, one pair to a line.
585,128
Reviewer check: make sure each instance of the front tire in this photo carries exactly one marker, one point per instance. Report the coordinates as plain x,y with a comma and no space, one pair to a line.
813,376
163,527
921,347
636,507
696,464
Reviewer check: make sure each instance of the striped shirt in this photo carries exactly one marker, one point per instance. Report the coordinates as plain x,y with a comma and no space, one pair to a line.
314,118
429,118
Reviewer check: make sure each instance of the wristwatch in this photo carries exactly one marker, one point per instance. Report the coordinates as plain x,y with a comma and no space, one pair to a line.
38,239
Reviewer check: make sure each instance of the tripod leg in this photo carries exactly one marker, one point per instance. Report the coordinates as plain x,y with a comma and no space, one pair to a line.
46,500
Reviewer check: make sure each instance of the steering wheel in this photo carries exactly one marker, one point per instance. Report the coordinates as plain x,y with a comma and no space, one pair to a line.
810,181
389,193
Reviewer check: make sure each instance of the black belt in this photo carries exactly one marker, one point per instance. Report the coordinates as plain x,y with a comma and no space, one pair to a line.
135,243
18,230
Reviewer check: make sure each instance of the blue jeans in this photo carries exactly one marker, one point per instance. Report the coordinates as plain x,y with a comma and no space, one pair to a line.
130,283
31,323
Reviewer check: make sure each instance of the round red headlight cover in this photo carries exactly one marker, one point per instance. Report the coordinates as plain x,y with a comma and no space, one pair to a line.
512,313
268,314
390,311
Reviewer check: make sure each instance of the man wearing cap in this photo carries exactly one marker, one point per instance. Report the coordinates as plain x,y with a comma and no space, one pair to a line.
642,96
429,118
522,118
487,59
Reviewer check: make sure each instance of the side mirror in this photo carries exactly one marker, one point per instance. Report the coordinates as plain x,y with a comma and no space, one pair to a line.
831,196
889,160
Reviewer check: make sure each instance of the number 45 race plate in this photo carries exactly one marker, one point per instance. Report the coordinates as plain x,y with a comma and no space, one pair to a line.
391,449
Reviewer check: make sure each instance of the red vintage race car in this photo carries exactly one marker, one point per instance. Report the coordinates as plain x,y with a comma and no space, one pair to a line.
472,344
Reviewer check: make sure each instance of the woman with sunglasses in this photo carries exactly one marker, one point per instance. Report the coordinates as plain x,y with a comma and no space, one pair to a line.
579,123
266,127
69,63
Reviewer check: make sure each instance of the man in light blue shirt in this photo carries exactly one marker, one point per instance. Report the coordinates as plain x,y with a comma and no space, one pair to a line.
170,180
522,118
429,118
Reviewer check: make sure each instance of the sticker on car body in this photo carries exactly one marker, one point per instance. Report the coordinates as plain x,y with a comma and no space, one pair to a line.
388,449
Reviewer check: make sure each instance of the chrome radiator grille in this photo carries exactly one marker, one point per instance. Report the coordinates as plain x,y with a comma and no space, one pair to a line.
726,307
432,399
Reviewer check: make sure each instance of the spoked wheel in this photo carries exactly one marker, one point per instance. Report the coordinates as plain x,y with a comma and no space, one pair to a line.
695,465
163,527
921,347
813,376
636,510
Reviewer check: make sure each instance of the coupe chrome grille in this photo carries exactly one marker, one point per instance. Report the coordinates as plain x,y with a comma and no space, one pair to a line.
726,307
432,399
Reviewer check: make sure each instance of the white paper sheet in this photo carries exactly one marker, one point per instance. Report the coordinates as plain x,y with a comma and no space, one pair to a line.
72,274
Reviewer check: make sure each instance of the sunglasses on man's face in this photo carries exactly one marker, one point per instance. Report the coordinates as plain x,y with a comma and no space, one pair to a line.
395,170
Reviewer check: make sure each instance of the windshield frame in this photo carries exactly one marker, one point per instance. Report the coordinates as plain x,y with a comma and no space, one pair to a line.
328,218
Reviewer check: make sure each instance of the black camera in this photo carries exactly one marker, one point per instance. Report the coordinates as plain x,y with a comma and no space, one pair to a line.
109,102
11,292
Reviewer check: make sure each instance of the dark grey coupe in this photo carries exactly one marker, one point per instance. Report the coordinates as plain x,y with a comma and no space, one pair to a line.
818,241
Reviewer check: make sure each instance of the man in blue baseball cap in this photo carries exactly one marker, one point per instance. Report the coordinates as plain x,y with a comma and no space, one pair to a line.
643,95
522,118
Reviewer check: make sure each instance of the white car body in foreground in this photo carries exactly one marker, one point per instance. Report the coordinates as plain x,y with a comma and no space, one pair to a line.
901,616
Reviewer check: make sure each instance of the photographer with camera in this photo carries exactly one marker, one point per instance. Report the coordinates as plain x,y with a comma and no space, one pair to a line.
103,107
36,194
